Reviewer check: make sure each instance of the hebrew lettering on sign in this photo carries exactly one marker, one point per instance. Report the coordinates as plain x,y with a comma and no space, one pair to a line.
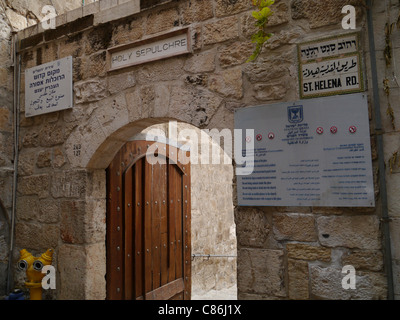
48,87
327,48
330,66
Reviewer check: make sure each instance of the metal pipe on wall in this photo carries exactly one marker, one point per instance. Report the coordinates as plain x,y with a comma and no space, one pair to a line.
381,160
17,65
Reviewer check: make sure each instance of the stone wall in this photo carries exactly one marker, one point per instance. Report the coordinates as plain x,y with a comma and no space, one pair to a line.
6,145
15,15
283,252
388,13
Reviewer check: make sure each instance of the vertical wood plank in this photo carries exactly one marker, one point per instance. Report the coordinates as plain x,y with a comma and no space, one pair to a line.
171,221
138,253
187,231
164,224
178,225
128,232
156,221
115,235
148,268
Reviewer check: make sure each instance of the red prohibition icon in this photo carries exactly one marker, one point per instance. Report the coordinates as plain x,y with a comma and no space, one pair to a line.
334,129
320,130
353,129
271,136
259,137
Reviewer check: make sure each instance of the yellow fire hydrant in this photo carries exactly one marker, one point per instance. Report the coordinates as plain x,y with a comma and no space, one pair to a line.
33,267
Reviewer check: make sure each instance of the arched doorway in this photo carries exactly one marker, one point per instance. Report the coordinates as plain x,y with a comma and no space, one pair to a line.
213,229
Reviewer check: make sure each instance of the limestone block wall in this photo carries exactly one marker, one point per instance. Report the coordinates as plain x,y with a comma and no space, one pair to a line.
283,252
15,15
387,13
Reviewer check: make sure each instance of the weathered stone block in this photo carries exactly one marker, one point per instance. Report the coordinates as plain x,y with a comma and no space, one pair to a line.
27,208
364,260
121,81
50,135
36,236
90,91
298,280
299,227
96,65
229,7
98,38
221,30
130,30
307,252
201,62
68,184
319,13
162,20
271,91
235,54
349,231
194,105
44,159
228,82
26,163
261,271
326,283
266,70
96,187
30,139
70,265
58,158
280,14
252,227
284,37
197,10
82,222
5,117
95,281
112,114
162,70
34,185
32,209
72,227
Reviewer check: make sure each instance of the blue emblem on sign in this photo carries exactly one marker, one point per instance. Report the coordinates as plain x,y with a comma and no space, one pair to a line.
295,114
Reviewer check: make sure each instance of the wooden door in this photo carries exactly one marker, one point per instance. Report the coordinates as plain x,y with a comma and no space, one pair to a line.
148,224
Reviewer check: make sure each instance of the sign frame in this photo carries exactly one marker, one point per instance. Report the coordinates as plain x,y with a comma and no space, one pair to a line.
149,40
45,88
349,53
324,153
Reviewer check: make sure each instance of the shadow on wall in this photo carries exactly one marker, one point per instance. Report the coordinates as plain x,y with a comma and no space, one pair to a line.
144,4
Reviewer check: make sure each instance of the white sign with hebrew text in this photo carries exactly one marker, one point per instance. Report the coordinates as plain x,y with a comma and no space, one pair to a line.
48,87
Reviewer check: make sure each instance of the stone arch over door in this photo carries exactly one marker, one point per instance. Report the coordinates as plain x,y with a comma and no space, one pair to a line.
213,227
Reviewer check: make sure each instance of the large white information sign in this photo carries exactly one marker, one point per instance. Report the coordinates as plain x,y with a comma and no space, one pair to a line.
48,87
308,153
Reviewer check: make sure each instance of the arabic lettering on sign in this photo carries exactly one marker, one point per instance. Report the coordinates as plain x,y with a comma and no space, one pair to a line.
342,74
48,87
328,48
336,66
